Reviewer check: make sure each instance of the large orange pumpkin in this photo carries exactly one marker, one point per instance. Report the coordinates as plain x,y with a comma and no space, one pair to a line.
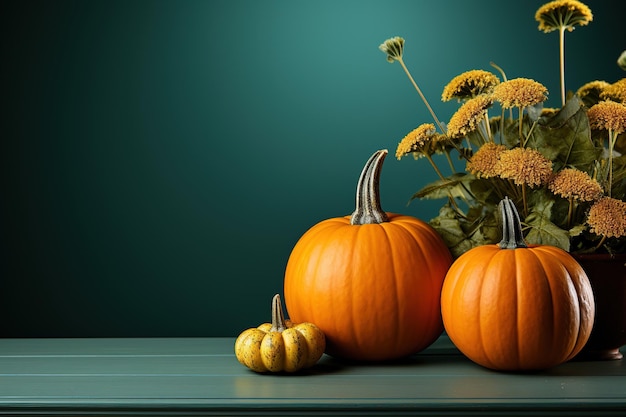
371,281
515,307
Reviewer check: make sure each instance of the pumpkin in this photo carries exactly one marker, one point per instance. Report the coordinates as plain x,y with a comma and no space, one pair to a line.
517,307
280,345
370,281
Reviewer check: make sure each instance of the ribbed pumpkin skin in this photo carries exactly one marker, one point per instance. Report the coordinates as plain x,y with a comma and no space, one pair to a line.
517,309
373,289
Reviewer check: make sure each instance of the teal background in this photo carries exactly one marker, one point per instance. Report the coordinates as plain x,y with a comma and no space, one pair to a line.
161,158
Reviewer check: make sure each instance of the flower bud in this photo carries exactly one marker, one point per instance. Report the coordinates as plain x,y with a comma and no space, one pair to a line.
621,61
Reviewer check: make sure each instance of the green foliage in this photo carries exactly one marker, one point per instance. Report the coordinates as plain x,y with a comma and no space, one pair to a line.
553,164
565,138
470,216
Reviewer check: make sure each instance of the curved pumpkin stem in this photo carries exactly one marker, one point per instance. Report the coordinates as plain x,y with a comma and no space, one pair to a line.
512,237
278,319
368,210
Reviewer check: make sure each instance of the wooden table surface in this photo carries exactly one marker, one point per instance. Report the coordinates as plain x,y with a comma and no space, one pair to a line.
200,376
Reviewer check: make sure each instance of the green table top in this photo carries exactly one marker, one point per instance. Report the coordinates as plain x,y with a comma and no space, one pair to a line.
200,376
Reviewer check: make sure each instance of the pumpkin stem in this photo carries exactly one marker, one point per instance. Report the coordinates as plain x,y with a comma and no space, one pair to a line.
278,319
512,237
368,210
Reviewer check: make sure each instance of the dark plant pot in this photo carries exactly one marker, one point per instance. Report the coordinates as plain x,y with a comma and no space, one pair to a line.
607,275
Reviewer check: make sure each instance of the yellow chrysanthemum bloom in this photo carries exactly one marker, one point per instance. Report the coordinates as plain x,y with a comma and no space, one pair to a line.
483,162
469,85
608,115
576,184
590,92
563,14
416,139
607,217
393,47
524,166
615,91
520,92
467,117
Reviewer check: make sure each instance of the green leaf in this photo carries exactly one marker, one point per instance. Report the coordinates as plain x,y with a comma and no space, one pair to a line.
464,233
449,228
544,232
569,110
490,191
565,137
577,230
490,229
455,186
541,203
619,168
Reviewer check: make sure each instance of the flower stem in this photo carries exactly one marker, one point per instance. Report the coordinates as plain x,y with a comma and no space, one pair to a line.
482,132
525,200
488,128
612,140
522,142
432,162
530,132
599,243
441,177
570,211
562,60
502,127
432,113
493,64
513,188
503,79
452,168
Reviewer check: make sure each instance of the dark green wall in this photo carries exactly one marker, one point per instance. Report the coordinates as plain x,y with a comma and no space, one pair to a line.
161,158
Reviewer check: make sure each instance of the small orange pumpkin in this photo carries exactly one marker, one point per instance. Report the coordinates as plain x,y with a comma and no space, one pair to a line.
516,307
371,281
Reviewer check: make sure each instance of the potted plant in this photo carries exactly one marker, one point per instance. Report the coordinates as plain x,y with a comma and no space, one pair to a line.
564,168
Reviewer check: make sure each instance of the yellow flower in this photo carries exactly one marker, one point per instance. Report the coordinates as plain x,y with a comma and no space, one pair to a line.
563,14
574,183
520,92
615,91
470,84
393,47
590,92
607,217
524,166
467,117
483,162
608,115
416,139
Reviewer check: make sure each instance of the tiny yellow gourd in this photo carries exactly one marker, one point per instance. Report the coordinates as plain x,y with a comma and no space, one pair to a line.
280,345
